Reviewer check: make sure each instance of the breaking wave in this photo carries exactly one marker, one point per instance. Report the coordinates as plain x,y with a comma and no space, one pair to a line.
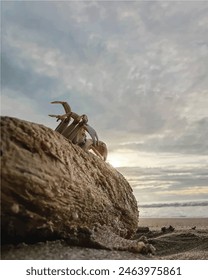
175,204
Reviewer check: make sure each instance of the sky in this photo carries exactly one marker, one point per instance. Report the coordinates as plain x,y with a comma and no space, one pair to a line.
138,69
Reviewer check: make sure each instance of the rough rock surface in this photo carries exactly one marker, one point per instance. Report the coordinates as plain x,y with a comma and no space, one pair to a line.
52,189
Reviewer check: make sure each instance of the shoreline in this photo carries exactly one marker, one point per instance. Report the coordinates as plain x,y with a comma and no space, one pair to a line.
188,240
176,222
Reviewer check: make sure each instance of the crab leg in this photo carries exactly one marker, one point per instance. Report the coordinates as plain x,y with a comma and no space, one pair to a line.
96,152
92,133
75,135
66,106
72,126
102,149
65,119
63,125
76,131
73,131
89,146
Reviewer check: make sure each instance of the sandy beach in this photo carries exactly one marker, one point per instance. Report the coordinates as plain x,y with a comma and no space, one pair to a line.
187,239
178,223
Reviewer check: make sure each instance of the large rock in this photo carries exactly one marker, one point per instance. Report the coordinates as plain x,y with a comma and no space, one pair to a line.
53,189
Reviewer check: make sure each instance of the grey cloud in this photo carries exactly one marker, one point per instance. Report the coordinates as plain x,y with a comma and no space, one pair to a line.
187,138
136,68
192,141
166,179
40,26
24,79
151,185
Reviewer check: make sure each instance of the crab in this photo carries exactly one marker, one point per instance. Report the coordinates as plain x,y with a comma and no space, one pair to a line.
74,128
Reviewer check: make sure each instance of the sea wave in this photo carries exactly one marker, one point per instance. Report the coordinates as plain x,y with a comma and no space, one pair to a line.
175,204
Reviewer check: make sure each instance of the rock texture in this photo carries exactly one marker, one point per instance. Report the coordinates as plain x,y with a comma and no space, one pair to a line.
52,189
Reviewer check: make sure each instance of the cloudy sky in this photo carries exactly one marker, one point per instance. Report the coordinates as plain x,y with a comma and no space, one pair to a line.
138,69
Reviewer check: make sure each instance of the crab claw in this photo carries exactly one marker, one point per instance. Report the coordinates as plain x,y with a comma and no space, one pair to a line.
87,145
100,149
66,106
92,133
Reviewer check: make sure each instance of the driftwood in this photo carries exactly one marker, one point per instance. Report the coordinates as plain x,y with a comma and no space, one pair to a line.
52,189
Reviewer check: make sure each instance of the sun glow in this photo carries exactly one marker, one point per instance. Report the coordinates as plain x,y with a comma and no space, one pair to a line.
129,158
119,159
115,160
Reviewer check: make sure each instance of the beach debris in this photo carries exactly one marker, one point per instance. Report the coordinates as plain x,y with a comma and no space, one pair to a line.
74,128
52,189
167,229
163,229
171,228
142,229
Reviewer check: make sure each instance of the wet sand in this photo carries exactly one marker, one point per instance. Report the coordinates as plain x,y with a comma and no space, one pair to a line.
178,223
188,240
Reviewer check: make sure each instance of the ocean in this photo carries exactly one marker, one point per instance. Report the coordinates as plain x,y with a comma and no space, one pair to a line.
169,192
